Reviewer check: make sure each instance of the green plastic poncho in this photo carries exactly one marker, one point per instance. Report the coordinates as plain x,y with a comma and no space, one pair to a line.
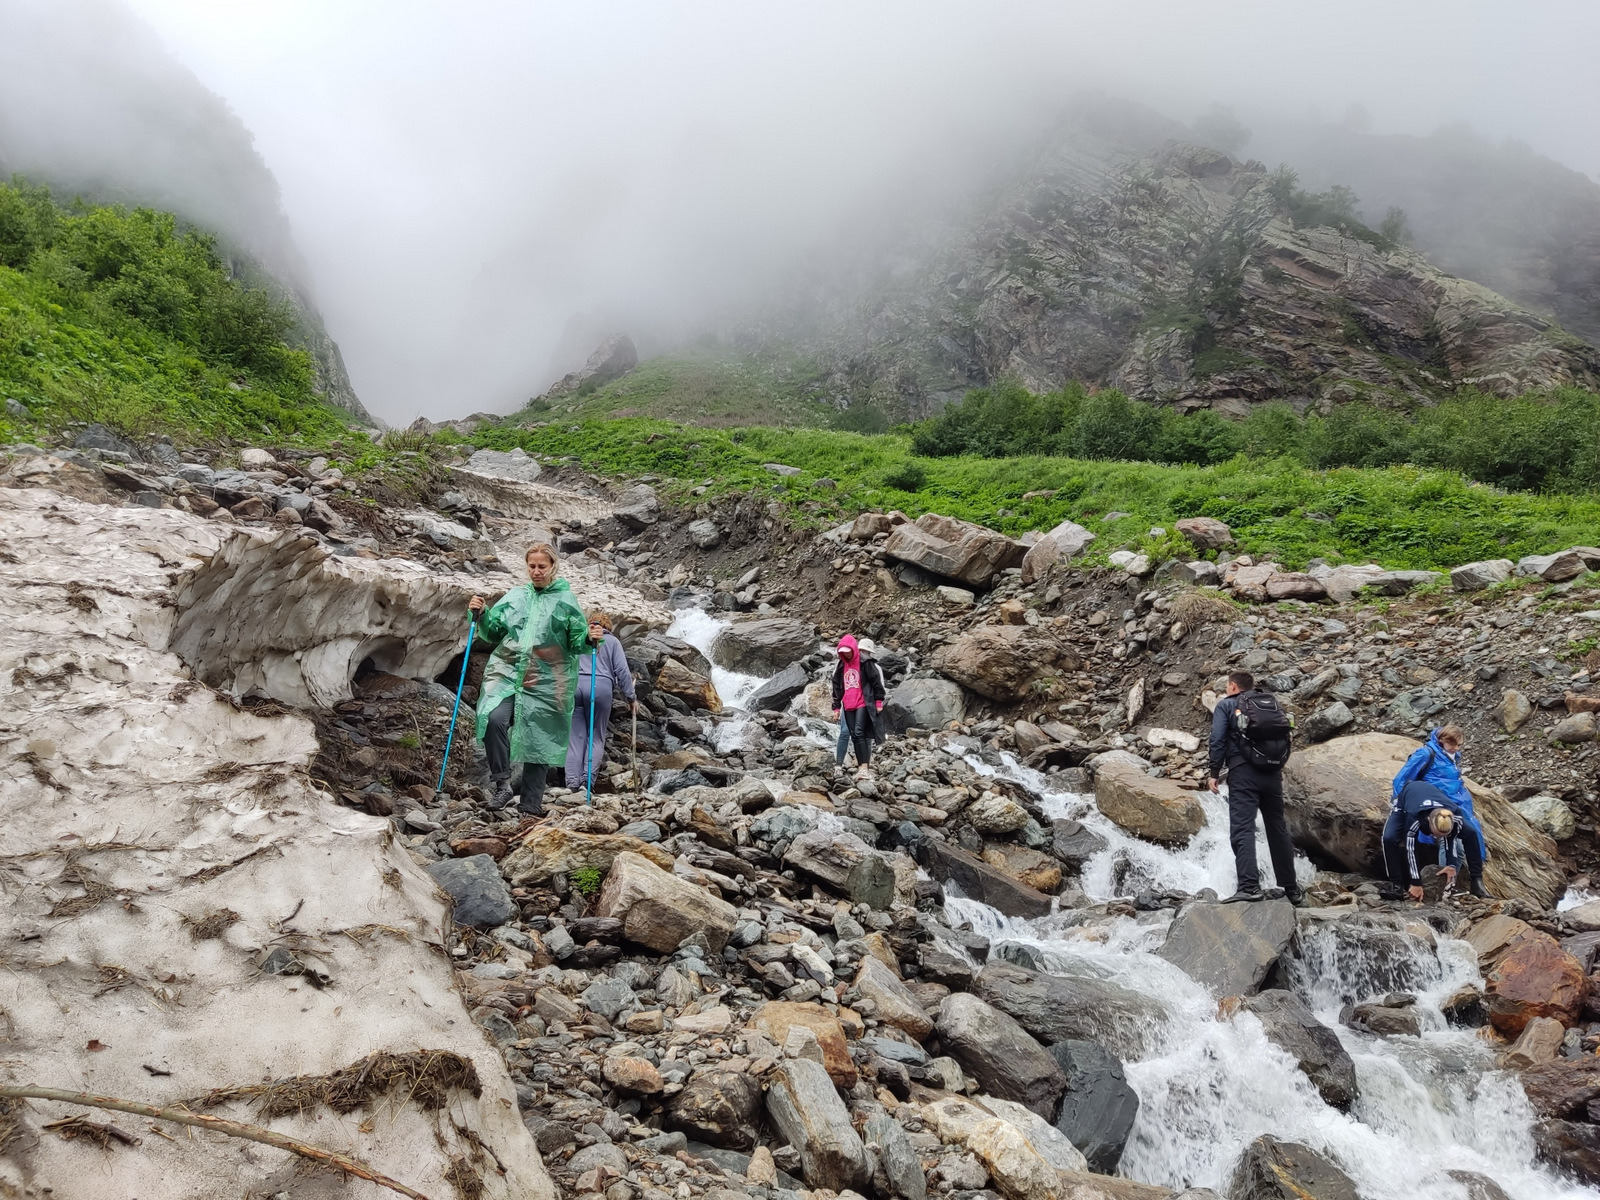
538,636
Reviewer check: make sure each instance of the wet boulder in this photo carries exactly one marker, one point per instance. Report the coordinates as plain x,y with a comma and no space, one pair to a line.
1535,977
1098,1110
1336,799
1274,1170
1563,1088
780,689
1074,844
954,549
763,646
660,910
1292,1026
1057,1008
720,1108
1572,1146
806,1109
1157,810
476,886
979,880
1033,868
1229,948
1000,1053
1003,662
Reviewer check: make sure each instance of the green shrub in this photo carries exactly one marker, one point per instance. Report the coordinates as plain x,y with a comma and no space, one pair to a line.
586,882
909,476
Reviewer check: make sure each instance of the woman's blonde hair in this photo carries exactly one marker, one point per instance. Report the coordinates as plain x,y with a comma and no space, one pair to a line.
544,548
1440,821
1453,732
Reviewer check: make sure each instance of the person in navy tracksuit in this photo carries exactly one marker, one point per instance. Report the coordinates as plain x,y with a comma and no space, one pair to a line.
1435,768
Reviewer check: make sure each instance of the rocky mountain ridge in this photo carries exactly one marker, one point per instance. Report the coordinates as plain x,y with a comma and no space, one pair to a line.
1183,277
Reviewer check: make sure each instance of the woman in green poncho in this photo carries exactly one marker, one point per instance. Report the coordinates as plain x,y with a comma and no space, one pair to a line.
525,704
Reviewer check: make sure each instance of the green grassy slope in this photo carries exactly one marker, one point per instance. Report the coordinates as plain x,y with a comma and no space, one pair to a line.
116,316
702,386
1401,517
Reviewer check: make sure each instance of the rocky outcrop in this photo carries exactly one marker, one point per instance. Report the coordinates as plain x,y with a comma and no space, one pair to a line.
612,359
1059,1008
1337,799
980,880
1063,542
1003,662
953,549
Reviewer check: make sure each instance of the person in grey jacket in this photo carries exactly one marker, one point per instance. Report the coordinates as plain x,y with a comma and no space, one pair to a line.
609,667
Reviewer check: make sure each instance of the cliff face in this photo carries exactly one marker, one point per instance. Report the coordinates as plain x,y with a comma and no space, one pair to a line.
1185,277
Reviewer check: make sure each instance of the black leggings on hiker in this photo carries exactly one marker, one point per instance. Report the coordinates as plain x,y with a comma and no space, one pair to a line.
497,747
1252,789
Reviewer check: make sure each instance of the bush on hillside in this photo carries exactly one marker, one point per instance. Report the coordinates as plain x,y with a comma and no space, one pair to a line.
1535,442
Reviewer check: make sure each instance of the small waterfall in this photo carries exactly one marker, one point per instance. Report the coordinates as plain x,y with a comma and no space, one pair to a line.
1208,1087
699,628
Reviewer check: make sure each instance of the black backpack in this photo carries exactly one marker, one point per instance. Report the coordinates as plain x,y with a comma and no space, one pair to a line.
1264,729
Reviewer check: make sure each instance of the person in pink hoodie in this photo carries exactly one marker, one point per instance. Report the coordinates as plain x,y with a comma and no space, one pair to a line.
858,693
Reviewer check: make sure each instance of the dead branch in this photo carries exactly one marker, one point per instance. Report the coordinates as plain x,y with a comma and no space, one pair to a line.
254,1133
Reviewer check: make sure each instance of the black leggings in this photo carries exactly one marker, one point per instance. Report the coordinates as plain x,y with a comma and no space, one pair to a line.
855,729
497,747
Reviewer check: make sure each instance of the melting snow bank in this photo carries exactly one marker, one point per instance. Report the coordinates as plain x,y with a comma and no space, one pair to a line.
158,846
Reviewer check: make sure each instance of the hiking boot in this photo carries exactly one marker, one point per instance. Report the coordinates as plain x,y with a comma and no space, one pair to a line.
500,796
1477,889
531,808
1246,895
1391,891
1295,897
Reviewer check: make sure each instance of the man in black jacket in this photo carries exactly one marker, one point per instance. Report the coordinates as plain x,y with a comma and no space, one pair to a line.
1252,788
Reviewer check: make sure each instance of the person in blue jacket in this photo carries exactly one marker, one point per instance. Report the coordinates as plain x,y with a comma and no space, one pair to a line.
1438,763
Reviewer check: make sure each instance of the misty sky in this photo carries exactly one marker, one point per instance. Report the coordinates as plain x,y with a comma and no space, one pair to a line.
483,190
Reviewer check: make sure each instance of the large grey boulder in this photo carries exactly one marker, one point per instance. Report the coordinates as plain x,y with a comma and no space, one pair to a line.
1100,1105
977,880
805,1107
1003,662
1274,1170
924,704
1290,1024
1475,576
1000,1054
1552,568
1327,721
955,549
1066,541
1205,533
780,689
845,864
704,533
480,893
1229,948
639,507
1058,1008
764,646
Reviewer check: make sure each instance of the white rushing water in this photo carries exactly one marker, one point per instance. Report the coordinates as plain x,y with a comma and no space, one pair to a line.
1208,1086
699,628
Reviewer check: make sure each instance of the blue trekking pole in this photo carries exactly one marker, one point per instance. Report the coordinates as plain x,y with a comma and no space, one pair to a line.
588,753
466,657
